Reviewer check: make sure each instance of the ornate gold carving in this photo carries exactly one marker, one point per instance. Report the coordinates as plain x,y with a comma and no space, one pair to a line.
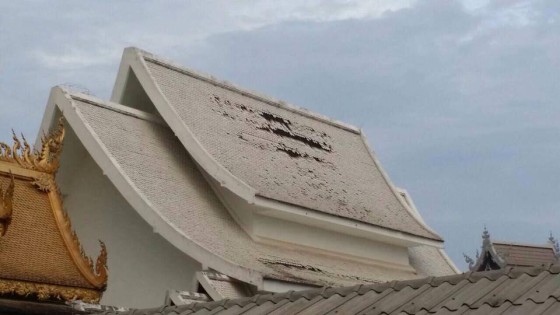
48,291
6,206
40,168
46,160
96,274
44,182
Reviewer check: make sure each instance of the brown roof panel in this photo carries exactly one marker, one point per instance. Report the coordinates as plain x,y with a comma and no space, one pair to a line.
524,255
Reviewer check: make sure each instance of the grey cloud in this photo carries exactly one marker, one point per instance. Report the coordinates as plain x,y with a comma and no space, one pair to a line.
460,105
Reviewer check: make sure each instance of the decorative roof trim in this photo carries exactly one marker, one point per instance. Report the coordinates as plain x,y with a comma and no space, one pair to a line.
48,291
487,250
45,160
134,58
41,169
63,100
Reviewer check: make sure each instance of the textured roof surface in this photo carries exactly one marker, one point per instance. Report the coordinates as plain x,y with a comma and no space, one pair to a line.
163,173
33,249
283,153
524,255
513,291
219,286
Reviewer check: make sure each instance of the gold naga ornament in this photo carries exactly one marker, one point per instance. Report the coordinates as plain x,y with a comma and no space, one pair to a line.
40,237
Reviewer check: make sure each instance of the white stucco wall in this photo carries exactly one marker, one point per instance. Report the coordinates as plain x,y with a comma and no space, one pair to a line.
142,265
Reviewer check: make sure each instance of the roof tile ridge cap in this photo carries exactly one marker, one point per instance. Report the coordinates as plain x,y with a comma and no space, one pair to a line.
555,268
197,306
328,291
506,243
385,176
172,65
414,283
451,279
344,291
262,298
112,106
491,275
306,294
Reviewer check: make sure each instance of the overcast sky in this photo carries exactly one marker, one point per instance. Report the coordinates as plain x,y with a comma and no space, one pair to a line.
460,100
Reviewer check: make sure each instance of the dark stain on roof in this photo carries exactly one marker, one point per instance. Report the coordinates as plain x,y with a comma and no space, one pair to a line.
514,290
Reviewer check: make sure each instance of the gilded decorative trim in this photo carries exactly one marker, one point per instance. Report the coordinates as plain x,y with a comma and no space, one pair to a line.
6,206
41,167
48,291
96,274
46,160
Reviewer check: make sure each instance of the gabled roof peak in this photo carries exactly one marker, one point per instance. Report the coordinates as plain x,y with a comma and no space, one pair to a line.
244,91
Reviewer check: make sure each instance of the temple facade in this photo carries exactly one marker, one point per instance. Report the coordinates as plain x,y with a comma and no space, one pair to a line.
201,190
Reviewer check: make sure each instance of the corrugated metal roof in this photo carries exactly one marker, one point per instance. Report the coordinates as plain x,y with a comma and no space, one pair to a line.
510,291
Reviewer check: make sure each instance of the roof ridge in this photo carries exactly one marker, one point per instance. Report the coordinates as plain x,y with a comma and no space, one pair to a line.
246,92
499,242
115,107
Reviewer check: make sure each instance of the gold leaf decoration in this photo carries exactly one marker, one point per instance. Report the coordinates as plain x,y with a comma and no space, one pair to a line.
6,206
48,291
46,160
96,274
44,182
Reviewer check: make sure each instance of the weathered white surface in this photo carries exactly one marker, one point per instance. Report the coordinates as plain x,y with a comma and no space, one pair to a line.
160,172
280,152
142,264
431,261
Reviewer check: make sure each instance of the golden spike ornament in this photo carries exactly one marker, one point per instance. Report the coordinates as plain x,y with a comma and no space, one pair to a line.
45,160
6,206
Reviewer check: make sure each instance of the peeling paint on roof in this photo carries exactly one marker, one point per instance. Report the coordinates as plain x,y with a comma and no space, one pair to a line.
282,153
162,172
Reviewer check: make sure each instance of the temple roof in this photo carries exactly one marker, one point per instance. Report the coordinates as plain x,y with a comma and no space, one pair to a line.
40,256
511,291
524,255
257,146
499,255
155,173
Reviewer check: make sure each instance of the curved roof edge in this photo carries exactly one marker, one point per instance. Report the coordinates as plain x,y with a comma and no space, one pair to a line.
134,59
449,261
230,86
61,99
412,212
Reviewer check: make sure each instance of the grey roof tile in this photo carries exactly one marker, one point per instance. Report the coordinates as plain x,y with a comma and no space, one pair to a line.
517,291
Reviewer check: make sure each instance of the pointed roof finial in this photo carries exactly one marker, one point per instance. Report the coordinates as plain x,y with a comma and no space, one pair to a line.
485,238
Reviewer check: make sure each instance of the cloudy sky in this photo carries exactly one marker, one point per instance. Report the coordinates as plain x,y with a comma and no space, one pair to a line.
460,99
